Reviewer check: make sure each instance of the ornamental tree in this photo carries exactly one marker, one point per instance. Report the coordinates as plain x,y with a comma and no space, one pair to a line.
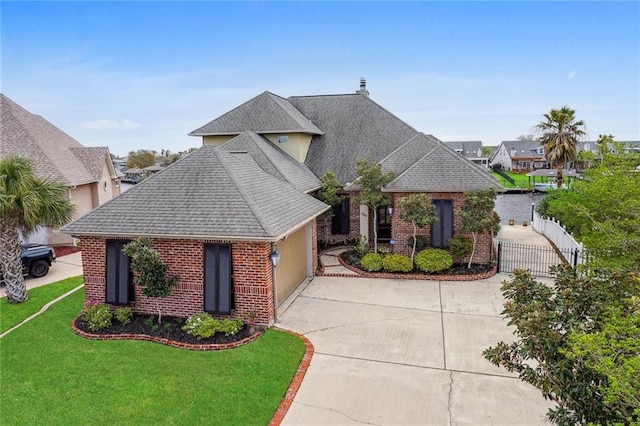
419,211
150,272
371,179
328,192
576,341
476,215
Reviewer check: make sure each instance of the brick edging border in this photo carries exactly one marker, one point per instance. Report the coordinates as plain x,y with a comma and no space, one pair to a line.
164,341
407,276
289,396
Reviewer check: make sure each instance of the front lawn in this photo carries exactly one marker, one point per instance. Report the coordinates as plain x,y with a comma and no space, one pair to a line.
12,314
51,376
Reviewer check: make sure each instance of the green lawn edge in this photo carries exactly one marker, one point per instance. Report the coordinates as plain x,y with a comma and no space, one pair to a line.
13,314
52,376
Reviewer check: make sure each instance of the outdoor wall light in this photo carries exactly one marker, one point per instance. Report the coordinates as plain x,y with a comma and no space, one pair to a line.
390,209
275,257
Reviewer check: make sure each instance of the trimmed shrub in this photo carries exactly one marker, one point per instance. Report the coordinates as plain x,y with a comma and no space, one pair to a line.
97,316
124,314
371,262
201,325
362,247
397,263
230,326
460,247
422,242
433,260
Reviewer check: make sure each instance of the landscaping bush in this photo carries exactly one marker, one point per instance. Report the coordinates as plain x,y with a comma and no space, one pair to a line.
97,315
422,242
230,326
362,247
460,247
371,262
397,263
433,260
124,315
201,325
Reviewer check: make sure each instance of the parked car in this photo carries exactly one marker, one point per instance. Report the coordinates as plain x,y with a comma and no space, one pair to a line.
36,260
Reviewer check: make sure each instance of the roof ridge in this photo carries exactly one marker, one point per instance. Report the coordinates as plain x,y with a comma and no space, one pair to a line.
287,112
463,160
415,163
241,189
268,155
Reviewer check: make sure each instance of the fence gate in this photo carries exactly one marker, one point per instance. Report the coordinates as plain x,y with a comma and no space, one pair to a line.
536,259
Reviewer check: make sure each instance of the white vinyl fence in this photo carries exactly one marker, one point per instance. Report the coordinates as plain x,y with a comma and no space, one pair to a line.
572,251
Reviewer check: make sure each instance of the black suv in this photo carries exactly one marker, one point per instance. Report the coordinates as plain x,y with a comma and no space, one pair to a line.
36,260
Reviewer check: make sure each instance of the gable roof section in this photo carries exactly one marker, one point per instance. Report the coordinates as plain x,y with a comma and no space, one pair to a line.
525,149
266,113
443,170
407,154
209,194
94,159
470,149
55,155
274,161
355,127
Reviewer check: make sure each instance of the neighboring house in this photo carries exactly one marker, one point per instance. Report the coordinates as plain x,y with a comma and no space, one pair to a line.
218,214
88,172
471,150
519,156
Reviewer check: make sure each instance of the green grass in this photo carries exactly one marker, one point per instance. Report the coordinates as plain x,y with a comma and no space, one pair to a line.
521,180
52,376
11,314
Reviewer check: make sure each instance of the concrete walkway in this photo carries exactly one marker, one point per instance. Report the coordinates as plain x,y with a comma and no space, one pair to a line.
64,267
394,352
332,266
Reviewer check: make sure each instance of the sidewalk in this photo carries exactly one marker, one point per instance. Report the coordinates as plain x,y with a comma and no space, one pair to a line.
64,267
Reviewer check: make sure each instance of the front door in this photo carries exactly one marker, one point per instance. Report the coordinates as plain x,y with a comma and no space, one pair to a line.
442,229
384,225
218,279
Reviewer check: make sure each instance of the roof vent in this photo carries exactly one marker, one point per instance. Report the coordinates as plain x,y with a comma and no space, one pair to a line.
363,87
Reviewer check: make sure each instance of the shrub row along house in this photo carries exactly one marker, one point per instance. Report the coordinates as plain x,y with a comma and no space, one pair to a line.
222,216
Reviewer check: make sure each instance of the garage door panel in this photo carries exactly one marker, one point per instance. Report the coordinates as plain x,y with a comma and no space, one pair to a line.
292,269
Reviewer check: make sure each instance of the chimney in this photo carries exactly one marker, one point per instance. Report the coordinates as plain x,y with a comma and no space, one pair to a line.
363,88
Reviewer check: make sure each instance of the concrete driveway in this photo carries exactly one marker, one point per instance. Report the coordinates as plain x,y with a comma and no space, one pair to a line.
396,352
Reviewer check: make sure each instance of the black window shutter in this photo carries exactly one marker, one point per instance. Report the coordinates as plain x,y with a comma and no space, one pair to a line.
218,281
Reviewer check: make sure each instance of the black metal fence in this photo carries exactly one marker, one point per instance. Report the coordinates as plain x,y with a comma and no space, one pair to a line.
536,259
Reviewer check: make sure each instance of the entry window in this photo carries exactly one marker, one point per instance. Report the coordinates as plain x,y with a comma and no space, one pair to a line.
384,224
218,279
119,280
340,219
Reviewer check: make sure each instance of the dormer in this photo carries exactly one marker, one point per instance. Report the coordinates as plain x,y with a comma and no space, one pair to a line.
268,115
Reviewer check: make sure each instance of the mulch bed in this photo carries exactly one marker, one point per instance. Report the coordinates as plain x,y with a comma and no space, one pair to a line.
457,269
171,329
65,250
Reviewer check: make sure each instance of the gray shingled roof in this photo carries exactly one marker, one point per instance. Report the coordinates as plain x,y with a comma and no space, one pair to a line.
523,149
209,194
443,170
274,161
407,154
355,127
470,149
266,113
56,155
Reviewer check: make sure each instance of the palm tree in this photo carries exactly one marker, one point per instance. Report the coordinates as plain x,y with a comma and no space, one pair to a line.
26,202
559,135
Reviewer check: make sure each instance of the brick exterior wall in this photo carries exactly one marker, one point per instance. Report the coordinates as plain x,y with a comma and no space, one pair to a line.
252,275
324,226
402,231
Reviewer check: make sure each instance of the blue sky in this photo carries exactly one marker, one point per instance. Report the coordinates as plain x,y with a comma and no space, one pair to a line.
141,75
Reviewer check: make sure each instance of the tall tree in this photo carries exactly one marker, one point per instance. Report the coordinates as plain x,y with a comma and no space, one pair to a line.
372,180
26,202
141,158
559,135
418,210
476,215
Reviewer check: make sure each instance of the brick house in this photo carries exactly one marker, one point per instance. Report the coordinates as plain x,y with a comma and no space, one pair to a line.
217,215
